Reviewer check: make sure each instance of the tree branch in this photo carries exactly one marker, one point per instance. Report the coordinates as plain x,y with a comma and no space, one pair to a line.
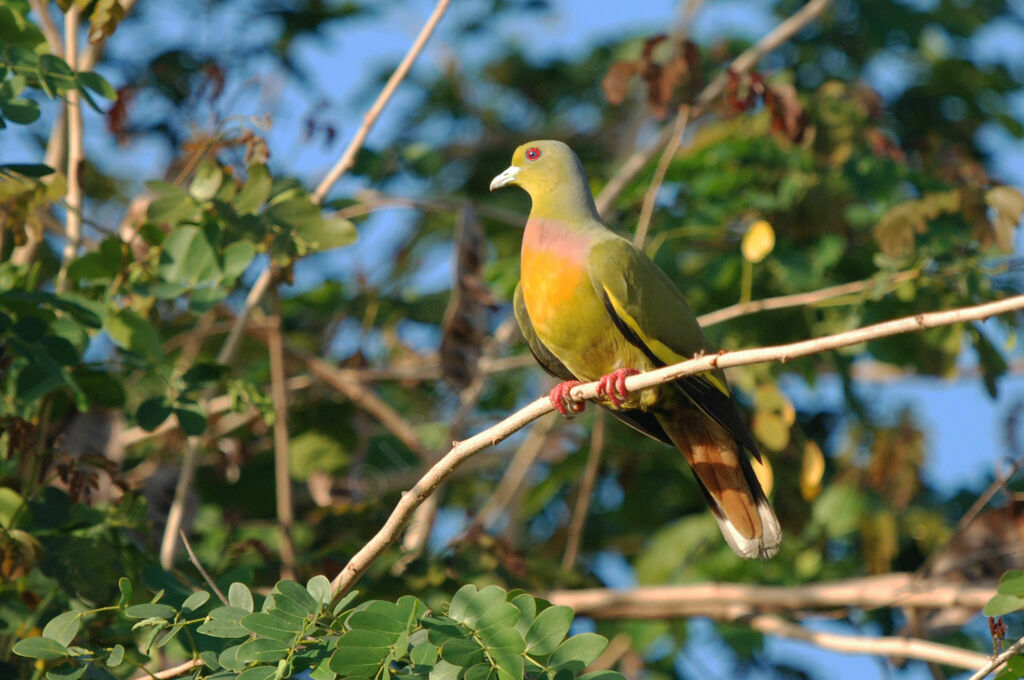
801,299
76,154
282,474
49,29
362,560
732,601
898,647
998,661
348,157
651,197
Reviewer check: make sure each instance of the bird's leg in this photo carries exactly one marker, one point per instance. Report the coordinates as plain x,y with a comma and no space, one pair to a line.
562,400
613,385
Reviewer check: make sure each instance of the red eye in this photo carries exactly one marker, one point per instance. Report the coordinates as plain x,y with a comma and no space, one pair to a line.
533,153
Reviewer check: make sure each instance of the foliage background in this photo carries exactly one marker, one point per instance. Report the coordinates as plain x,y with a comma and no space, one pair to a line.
914,117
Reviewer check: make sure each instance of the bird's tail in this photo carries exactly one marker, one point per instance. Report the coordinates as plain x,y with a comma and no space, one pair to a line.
726,477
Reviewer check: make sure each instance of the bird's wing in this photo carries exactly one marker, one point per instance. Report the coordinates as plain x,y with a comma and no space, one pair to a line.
639,420
652,314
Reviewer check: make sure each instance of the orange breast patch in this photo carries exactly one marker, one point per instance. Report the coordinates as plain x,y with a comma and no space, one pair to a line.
551,283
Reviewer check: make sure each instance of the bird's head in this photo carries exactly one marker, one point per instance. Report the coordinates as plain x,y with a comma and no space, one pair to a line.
549,171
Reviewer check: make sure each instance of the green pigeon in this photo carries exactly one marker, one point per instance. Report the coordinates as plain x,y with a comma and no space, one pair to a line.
594,307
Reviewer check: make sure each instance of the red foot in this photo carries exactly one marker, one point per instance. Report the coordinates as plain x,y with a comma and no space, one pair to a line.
562,401
613,385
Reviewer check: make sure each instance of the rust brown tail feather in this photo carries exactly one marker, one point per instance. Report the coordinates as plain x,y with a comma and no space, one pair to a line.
725,475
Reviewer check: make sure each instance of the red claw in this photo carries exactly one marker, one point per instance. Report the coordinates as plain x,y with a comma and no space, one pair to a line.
563,401
613,385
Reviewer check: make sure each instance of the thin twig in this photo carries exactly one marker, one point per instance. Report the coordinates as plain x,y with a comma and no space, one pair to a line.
637,161
998,661
348,157
76,154
199,567
651,197
40,9
574,534
898,647
372,201
172,672
282,475
362,560
362,396
732,601
802,299
972,513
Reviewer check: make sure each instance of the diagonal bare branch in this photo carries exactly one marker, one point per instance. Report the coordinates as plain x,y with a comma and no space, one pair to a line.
410,500
348,157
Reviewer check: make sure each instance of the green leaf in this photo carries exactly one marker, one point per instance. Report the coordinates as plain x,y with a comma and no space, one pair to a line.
296,594
1012,583
527,607
345,602
40,648
240,596
203,373
274,624
97,84
191,420
1000,605
195,600
481,671
132,332
505,646
188,258
602,675
578,652
20,111
100,387
116,656
424,654
33,170
172,204
256,190
457,608
262,650
548,630
258,673
443,670
224,622
11,503
63,628
207,181
237,258
229,658
327,233
66,673
124,585
485,601
319,589
360,652
152,413
150,610
462,652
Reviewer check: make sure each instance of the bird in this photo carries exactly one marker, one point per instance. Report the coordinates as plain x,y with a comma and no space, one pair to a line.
594,307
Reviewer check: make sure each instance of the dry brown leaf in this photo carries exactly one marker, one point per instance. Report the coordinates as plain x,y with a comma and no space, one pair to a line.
465,320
